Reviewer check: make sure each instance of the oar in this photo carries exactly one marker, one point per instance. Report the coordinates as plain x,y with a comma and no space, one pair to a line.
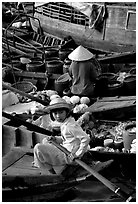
45,103
30,126
117,190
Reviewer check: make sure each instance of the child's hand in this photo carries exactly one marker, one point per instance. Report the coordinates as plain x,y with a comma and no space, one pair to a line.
51,138
71,157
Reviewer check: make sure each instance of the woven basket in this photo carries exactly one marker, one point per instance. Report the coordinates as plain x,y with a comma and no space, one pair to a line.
24,86
55,67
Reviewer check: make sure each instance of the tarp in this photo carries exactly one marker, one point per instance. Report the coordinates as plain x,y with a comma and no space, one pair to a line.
83,7
86,7
40,3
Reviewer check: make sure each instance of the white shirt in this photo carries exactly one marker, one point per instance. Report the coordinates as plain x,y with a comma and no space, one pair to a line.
75,139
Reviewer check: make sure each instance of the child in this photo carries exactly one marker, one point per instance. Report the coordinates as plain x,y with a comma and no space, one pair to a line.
73,138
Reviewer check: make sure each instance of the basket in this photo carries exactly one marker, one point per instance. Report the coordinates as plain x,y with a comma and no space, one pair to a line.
64,78
63,53
62,83
109,75
55,67
24,86
35,66
115,88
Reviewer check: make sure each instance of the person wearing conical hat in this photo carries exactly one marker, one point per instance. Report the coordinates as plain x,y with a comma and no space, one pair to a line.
83,70
73,138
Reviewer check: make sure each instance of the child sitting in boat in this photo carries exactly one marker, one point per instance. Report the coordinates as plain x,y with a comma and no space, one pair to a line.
73,138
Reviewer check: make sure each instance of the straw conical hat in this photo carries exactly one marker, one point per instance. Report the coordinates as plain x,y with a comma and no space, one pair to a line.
80,54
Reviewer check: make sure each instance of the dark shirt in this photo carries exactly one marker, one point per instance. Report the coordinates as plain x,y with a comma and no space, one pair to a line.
84,76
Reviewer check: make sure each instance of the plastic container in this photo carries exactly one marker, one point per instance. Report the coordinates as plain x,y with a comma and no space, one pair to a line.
110,76
129,135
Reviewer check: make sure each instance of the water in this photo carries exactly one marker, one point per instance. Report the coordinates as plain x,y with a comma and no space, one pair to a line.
92,190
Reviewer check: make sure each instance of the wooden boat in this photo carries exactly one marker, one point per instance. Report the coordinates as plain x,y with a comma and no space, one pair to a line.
114,108
118,22
19,136
16,180
23,182
36,43
119,58
31,47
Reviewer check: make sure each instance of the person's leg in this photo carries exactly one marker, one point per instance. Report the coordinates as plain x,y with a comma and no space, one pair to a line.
49,157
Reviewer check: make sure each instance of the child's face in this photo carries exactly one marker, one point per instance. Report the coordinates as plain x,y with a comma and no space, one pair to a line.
60,115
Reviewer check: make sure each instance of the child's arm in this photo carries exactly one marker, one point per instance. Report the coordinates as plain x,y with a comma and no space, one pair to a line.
59,139
82,140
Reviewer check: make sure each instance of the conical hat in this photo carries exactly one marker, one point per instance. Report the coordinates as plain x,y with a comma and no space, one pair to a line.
80,54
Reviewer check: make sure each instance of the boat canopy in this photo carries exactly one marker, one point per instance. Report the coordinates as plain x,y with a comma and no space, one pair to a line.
83,7
86,7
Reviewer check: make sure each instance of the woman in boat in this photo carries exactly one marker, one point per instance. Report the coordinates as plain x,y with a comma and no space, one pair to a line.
84,71
73,138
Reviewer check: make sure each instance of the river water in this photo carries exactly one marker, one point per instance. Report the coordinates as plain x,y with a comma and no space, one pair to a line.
92,190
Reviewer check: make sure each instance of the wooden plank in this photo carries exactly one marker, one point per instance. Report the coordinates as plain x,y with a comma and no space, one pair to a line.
36,75
18,51
30,74
24,173
119,58
10,158
106,106
117,98
22,167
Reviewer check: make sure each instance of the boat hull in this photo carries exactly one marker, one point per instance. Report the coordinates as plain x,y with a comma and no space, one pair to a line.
21,181
115,36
